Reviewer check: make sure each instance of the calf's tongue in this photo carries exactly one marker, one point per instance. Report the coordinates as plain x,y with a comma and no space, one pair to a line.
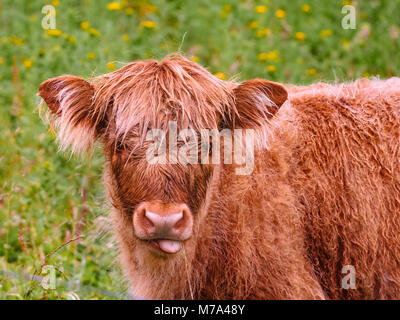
169,246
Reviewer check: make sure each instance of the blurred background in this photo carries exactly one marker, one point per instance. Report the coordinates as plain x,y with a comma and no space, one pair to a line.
53,215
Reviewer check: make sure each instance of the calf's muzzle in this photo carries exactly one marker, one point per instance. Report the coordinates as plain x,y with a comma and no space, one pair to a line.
163,225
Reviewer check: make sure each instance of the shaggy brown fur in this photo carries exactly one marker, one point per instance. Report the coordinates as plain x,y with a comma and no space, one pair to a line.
324,193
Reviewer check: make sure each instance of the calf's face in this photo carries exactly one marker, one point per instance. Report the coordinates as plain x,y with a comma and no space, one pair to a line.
161,201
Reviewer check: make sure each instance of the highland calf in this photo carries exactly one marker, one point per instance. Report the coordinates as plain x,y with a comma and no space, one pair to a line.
324,192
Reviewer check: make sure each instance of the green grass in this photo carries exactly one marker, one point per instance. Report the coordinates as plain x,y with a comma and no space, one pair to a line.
43,193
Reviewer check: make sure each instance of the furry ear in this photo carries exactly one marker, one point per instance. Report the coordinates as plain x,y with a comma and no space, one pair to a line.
70,101
257,101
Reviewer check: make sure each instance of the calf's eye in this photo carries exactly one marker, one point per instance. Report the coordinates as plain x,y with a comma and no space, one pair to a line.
120,147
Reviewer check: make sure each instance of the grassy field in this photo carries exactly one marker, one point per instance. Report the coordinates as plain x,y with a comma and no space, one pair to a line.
48,200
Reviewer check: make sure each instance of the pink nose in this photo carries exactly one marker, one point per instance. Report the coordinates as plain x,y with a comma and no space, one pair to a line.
162,221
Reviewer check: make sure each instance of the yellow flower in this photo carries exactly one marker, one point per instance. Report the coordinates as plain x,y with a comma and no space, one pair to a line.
305,8
346,44
227,8
125,37
54,32
111,66
300,36
33,18
234,31
51,132
220,75
271,68
94,32
146,8
71,39
325,33
224,14
148,24
85,25
269,56
260,9
312,72
263,32
27,63
195,59
91,55
262,56
55,3
113,6
17,41
280,13
129,11
254,25
1,60
346,3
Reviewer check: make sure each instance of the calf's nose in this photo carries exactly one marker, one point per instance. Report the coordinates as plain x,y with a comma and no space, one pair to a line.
163,224
162,221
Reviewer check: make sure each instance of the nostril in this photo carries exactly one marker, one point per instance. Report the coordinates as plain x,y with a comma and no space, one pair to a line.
145,221
182,222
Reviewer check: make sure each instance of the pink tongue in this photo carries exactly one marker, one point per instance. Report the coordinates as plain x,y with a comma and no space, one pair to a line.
169,246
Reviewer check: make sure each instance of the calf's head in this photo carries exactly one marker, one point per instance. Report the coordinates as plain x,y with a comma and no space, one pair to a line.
157,204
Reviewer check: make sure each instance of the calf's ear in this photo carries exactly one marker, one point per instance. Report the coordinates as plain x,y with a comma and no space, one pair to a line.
70,101
257,101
